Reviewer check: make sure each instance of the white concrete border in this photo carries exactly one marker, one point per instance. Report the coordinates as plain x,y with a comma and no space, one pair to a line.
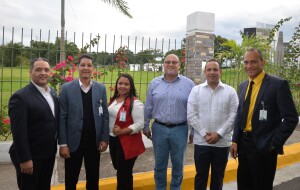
4,148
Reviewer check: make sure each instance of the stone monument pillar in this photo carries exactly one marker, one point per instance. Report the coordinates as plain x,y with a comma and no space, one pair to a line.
199,44
279,51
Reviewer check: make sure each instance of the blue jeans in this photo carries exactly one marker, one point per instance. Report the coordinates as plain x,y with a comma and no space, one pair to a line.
173,142
206,157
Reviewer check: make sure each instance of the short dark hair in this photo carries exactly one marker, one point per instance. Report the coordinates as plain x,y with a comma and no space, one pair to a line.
37,59
212,60
85,56
258,51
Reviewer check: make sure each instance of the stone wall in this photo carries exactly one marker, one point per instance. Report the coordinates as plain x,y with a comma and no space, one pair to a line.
199,49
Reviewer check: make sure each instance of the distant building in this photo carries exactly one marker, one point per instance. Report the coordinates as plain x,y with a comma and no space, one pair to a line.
263,31
135,67
153,67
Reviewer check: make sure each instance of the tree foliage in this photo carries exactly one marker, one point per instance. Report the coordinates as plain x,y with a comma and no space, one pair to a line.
290,70
120,5
218,47
148,56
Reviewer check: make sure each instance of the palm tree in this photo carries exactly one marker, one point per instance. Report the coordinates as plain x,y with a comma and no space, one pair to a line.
121,5
236,51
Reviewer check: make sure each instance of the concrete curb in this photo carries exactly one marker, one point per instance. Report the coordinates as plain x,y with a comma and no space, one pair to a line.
4,148
145,181
5,145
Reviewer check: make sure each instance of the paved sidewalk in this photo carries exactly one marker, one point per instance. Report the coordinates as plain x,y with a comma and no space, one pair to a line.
287,178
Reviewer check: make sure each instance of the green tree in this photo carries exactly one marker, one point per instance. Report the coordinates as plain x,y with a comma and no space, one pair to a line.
41,49
103,58
147,56
9,54
121,5
290,69
218,47
235,52
50,50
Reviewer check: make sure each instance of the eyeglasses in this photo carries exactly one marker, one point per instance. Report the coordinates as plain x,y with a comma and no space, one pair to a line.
169,62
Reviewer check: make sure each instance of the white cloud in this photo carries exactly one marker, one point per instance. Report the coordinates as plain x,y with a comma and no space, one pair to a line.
155,18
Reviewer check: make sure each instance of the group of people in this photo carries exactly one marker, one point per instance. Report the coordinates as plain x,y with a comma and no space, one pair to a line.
252,126
82,123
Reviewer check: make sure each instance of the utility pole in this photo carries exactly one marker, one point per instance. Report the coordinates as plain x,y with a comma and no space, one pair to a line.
62,38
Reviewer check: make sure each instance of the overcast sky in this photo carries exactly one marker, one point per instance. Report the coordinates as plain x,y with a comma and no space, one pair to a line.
151,18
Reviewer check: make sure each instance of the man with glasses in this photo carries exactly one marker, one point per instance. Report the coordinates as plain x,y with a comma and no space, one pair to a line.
166,103
83,127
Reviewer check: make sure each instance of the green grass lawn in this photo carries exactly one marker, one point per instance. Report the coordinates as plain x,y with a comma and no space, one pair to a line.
16,78
13,79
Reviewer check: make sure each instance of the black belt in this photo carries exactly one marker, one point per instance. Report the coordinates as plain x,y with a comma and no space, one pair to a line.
170,124
246,133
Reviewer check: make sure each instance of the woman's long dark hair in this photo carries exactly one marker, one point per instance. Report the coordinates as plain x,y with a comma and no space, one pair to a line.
132,92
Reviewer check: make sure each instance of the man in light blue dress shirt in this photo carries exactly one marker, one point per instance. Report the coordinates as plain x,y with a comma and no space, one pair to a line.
167,103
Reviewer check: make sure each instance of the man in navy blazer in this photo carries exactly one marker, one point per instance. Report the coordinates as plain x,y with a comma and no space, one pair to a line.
267,124
84,125
34,113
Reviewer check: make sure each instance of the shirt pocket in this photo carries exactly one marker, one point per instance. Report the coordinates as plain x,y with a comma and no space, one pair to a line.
222,105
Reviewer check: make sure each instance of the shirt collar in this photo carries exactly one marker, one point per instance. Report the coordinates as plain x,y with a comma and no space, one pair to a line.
259,77
41,89
81,84
178,77
219,85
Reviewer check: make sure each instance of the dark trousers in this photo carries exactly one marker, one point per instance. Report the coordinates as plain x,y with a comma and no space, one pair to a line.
206,157
123,167
256,170
87,150
41,177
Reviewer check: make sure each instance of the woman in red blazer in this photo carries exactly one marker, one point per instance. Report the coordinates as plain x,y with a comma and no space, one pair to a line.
126,120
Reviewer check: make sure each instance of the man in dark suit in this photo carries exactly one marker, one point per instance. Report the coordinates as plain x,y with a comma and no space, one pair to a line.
33,111
84,125
264,121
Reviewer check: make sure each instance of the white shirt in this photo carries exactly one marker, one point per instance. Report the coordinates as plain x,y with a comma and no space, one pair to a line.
211,110
47,95
83,88
137,116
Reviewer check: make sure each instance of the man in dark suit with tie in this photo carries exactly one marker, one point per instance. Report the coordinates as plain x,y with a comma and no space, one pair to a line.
84,125
34,113
264,122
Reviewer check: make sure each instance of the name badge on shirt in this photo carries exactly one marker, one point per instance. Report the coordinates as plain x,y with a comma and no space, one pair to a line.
123,116
100,108
263,114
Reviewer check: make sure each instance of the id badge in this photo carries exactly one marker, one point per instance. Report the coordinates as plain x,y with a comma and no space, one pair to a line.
123,116
263,115
100,110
